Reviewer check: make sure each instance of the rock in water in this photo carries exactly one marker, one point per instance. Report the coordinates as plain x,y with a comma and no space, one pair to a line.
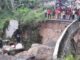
13,26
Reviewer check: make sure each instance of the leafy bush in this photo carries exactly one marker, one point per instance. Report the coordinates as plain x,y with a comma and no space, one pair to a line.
50,6
77,57
22,11
31,27
37,15
22,15
70,57
3,25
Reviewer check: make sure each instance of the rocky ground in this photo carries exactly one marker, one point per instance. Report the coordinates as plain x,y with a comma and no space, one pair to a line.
77,36
36,52
41,52
50,32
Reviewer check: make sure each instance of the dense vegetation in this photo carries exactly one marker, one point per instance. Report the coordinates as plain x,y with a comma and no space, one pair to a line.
19,10
69,57
28,12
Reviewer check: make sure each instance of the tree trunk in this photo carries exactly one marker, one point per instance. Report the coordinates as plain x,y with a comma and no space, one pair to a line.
6,3
2,4
12,4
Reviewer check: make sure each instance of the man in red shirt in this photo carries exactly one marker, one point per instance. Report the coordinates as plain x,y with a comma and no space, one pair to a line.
78,13
69,13
49,13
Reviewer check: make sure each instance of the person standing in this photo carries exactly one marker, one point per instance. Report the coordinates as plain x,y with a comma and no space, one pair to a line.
18,38
73,14
45,12
78,13
14,44
49,13
69,14
53,13
64,14
60,10
1,46
57,14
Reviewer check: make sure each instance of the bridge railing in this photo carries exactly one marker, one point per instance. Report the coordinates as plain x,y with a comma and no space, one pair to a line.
69,31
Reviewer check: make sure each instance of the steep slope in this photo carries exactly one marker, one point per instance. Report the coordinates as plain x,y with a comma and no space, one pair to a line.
51,31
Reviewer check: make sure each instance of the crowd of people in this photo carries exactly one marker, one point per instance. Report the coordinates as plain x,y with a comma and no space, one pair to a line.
62,13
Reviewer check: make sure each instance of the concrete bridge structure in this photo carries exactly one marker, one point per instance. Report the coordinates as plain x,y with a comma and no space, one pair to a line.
65,43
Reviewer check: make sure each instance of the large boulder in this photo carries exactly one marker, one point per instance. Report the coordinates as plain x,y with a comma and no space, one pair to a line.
22,53
41,52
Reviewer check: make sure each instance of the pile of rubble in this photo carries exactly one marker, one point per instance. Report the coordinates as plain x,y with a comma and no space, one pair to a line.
39,51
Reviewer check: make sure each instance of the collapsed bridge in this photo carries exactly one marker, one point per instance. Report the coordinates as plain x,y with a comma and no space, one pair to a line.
65,44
